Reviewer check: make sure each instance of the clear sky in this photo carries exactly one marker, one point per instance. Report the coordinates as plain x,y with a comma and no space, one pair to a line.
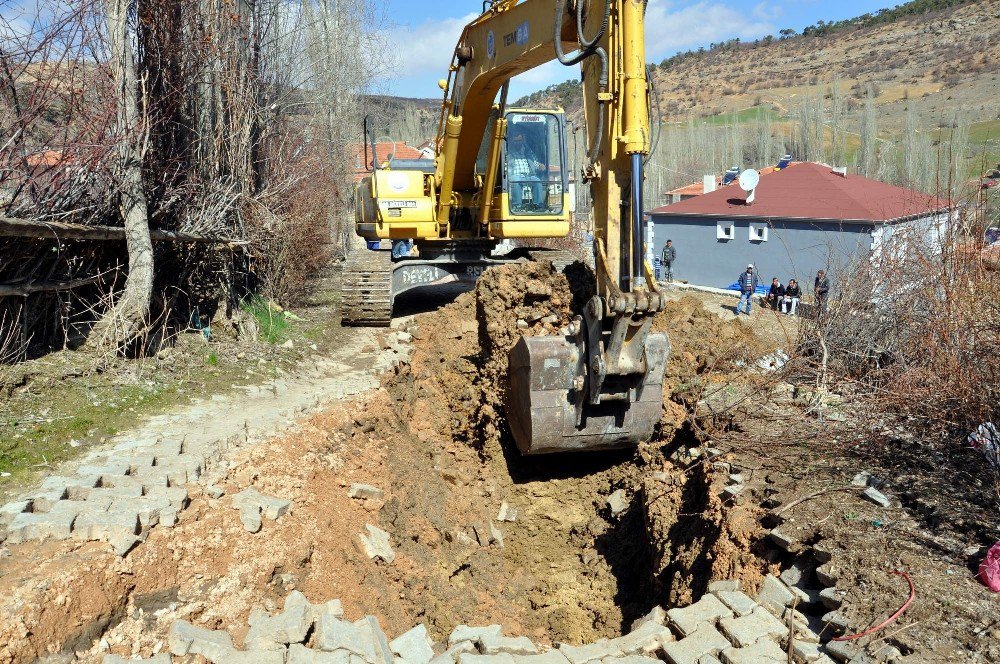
423,33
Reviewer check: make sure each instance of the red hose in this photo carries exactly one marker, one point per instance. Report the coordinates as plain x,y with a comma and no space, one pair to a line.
897,614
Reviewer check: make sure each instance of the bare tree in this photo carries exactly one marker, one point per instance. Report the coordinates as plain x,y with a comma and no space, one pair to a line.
126,320
869,148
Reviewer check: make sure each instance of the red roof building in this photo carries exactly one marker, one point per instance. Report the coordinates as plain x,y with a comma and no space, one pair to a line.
803,218
386,151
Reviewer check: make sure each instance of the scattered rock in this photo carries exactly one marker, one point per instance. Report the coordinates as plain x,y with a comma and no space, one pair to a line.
877,497
507,513
618,502
365,492
250,518
273,508
414,646
213,491
375,544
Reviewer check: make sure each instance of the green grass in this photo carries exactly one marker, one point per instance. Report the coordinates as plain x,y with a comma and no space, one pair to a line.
274,327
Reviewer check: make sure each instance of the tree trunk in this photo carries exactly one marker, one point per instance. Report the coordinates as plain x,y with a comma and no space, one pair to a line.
127,320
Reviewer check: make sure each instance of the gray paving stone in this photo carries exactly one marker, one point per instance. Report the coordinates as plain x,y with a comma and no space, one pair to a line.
133,490
705,641
299,654
106,468
154,477
842,651
11,510
450,655
649,637
334,634
290,626
177,495
749,629
27,526
42,501
737,601
832,598
774,595
707,610
727,584
332,609
473,658
632,659
795,575
253,657
822,552
836,621
552,656
414,646
809,652
383,653
185,638
168,517
828,574
162,658
492,644
708,659
273,508
590,652
102,525
764,651
466,633
657,614
783,540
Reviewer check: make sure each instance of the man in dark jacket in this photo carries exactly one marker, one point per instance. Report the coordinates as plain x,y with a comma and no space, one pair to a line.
775,294
793,293
821,289
668,257
748,283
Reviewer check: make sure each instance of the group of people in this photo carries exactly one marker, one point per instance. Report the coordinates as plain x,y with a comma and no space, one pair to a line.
785,297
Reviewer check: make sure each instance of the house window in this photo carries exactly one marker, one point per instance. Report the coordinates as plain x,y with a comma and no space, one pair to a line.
725,231
758,233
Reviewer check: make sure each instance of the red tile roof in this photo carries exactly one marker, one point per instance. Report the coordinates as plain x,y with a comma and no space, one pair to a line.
693,189
808,190
385,150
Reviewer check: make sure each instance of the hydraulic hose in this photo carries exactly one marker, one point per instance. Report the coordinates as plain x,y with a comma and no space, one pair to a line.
587,49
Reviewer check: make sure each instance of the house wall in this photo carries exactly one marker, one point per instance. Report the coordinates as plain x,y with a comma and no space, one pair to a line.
793,249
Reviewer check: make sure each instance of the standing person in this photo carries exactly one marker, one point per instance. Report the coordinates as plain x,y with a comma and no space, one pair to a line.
748,283
668,257
820,290
775,294
793,293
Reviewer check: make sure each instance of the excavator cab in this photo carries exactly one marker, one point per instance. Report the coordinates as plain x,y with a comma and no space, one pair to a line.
534,158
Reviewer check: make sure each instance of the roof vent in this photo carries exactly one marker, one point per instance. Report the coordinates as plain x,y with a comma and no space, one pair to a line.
839,170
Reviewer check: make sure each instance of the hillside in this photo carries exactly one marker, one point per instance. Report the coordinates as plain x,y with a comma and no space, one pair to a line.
938,64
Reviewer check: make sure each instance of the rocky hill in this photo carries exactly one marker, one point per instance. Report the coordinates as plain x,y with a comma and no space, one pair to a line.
932,56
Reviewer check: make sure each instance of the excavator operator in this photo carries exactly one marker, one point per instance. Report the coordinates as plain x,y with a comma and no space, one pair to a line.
524,170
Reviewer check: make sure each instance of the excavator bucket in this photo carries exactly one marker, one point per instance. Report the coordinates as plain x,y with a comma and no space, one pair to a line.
547,406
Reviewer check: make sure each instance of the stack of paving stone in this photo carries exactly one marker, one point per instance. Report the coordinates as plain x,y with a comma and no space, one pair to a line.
117,496
725,626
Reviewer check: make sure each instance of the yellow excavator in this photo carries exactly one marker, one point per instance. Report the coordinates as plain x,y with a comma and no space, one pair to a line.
501,173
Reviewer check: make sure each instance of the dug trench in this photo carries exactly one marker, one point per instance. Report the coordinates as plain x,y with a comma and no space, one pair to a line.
571,567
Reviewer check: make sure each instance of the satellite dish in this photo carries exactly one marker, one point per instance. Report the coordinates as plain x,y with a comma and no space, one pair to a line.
748,183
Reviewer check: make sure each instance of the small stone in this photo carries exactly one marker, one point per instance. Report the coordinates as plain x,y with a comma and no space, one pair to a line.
496,535
507,513
250,518
823,553
764,651
375,544
737,601
836,621
618,502
863,479
213,491
877,497
590,652
705,641
365,492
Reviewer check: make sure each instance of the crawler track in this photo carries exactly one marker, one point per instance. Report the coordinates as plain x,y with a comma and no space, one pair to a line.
367,289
